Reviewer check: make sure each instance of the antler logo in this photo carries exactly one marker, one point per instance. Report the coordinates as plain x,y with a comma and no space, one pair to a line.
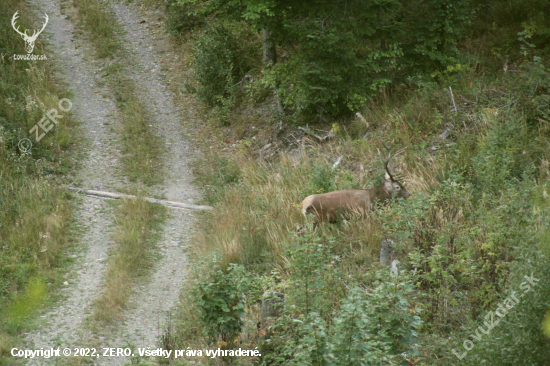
29,40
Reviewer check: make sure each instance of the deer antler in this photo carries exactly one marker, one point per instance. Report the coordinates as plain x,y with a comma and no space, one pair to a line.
13,19
24,34
387,160
35,34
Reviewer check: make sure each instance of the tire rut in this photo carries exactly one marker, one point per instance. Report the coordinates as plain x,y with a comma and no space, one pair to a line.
146,318
99,169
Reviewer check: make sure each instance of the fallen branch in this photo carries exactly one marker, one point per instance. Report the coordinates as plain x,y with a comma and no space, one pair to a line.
307,131
337,162
452,98
442,136
103,194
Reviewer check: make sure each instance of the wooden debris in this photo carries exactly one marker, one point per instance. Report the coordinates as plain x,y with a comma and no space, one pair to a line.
360,116
111,195
337,162
328,136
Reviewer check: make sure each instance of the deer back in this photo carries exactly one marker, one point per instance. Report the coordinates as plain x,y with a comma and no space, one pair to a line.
328,206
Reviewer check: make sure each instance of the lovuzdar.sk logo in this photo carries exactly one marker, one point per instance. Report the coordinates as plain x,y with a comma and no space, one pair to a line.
29,40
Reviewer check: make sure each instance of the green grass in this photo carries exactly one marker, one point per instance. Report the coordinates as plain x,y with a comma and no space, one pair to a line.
136,234
35,213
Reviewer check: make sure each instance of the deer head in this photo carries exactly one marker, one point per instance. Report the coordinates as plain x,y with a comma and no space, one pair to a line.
391,181
29,40
349,202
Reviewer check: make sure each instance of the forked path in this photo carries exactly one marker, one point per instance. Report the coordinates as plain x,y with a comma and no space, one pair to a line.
146,318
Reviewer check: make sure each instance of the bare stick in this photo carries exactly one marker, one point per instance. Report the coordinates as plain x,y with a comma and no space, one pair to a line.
330,135
453,98
360,116
103,194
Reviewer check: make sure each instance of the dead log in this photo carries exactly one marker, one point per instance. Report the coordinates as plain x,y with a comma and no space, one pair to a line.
111,195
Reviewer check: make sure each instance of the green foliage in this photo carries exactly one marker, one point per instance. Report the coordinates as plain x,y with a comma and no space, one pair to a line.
503,21
309,278
537,99
501,160
322,180
221,62
379,323
369,328
433,43
219,296
327,323
181,18
337,57
343,56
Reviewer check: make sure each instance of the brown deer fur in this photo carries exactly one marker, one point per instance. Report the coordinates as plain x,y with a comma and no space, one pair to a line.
351,202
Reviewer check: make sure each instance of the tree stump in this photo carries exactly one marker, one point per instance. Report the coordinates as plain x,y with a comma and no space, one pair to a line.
272,304
387,252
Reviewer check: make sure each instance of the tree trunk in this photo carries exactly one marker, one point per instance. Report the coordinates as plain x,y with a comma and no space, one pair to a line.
270,52
270,58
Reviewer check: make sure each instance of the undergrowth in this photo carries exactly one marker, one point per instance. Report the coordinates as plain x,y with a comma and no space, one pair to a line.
475,161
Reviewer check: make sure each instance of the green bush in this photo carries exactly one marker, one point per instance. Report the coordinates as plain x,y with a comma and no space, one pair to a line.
181,18
221,61
323,180
433,44
326,322
219,296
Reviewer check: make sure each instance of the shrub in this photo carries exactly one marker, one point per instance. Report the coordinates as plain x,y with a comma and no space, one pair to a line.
181,17
325,322
221,61
219,297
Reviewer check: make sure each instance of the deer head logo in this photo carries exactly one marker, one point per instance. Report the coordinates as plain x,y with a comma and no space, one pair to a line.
29,40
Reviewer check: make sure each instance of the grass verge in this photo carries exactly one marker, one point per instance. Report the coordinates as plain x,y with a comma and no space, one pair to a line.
36,215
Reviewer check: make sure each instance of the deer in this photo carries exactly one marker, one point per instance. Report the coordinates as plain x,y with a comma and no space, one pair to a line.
354,202
29,40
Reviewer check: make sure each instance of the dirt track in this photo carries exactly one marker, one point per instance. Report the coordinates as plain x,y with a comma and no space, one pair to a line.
66,324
